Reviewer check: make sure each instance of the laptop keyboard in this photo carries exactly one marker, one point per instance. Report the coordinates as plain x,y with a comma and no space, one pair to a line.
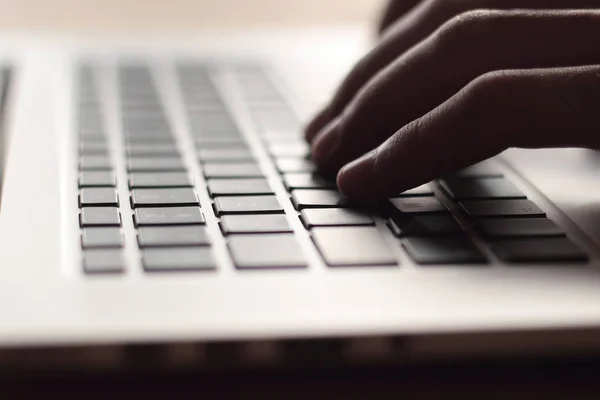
476,216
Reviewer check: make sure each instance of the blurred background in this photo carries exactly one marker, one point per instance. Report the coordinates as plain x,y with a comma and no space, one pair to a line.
127,15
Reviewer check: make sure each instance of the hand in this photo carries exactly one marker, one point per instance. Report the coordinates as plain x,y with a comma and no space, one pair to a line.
446,88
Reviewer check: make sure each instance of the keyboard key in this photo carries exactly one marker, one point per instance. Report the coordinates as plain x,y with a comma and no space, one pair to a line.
97,179
318,199
418,205
225,155
266,251
247,205
151,149
542,250
334,217
267,223
293,149
502,208
425,225
145,164
98,197
431,251
518,227
227,187
352,246
423,190
94,163
232,170
210,142
485,188
485,169
307,181
93,148
104,261
166,140
169,236
102,237
164,197
100,216
168,216
287,164
159,180
172,260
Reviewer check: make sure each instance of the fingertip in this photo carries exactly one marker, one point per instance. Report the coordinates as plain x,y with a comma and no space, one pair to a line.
318,122
355,179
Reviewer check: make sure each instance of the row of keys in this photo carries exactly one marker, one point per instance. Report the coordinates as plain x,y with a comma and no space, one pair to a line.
515,228
169,222
252,219
99,217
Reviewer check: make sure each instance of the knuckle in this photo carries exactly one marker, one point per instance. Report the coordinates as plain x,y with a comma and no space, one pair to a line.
464,27
485,101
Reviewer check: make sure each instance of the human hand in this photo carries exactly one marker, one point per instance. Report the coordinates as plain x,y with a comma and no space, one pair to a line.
447,87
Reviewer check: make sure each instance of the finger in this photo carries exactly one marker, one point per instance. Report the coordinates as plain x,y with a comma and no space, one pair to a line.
533,108
409,30
467,47
394,10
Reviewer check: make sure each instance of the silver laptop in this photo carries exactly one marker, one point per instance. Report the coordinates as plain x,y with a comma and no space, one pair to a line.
157,194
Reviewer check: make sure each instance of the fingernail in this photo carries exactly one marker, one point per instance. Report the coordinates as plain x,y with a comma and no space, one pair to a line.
316,124
354,180
326,143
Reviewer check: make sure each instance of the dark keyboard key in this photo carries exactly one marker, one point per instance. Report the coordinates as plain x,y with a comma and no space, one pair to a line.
266,251
103,261
232,170
334,217
225,155
418,205
159,180
247,205
151,150
542,250
100,216
430,251
307,181
168,216
502,208
147,164
425,225
98,197
266,223
184,259
95,163
287,164
166,140
228,187
164,197
485,169
102,237
318,199
169,236
352,246
293,149
210,142
518,227
485,188
93,148
423,190
97,179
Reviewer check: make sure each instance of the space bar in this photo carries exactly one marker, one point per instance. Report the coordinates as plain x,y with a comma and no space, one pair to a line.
361,246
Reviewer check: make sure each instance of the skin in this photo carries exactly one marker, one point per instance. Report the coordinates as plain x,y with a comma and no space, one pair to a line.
454,82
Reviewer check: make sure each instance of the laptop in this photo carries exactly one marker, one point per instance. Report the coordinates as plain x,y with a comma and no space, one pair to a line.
160,209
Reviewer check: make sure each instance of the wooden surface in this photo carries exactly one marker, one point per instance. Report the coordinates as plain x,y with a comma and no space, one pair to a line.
125,15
